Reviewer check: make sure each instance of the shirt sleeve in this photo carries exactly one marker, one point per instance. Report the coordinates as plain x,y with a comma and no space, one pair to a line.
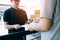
5,16
47,8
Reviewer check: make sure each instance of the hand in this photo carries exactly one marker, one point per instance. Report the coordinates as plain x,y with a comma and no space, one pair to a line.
30,28
36,20
17,26
29,21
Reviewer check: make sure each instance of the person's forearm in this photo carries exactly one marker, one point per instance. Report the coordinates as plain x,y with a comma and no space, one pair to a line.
9,26
43,25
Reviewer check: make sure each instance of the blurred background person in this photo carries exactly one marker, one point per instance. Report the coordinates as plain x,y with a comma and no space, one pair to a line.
14,17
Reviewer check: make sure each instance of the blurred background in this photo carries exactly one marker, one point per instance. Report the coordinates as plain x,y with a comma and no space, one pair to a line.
32,8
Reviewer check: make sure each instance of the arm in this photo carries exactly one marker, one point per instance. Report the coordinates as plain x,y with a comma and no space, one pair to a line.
43,25
11,26
45,17
8,26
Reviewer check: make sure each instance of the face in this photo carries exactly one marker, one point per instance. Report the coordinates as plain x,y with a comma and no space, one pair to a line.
15,3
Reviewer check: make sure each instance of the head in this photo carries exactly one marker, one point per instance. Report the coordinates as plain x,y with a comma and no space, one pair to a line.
15,3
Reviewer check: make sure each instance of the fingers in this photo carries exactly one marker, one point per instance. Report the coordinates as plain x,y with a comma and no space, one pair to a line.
29,21
30,28
17,26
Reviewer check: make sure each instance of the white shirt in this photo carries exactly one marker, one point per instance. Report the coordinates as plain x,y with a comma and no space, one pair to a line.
47,11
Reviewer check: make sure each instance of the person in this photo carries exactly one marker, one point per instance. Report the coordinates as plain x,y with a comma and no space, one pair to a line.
14,17
49,22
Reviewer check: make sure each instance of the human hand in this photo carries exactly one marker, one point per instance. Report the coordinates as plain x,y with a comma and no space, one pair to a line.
29,21
30,28
36,20
17,26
